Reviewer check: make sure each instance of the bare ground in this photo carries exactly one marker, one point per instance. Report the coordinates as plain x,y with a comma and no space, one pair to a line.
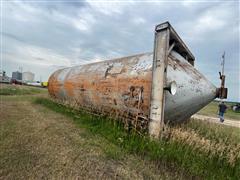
227,122
37,143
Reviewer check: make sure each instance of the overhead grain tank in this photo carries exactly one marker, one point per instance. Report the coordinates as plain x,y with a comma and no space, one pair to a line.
145,90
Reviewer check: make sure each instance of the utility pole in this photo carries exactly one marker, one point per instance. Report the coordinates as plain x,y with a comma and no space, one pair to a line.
21,69
222,92
223,62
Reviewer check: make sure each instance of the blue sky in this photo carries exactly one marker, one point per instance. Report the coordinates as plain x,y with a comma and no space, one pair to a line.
42,36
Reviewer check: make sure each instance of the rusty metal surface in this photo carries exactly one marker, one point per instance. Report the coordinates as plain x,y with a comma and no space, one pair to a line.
122,88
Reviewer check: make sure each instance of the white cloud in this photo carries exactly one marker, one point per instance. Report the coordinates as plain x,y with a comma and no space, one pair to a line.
138,20
84,21
188,3
109,7
36,55
20,11
209,21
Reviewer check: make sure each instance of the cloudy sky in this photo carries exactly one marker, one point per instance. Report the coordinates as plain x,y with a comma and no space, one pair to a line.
42,36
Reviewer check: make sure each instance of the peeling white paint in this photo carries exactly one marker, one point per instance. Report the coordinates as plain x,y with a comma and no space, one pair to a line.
144,63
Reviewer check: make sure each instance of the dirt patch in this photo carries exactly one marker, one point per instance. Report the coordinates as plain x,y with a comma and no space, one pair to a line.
227,122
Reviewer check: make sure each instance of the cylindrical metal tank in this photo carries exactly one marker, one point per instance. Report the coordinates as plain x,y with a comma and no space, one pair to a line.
122,87
27,76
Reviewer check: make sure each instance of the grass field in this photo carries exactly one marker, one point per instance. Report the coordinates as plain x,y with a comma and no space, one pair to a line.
6,89
212,110
40,138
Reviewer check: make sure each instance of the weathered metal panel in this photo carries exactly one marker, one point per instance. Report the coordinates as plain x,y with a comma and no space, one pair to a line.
158,82
122,88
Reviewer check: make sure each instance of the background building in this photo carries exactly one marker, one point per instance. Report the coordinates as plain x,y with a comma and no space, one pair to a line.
4,78
28,76
17,75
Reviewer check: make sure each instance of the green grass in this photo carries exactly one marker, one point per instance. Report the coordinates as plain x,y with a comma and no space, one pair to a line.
20,90
173,153
212,110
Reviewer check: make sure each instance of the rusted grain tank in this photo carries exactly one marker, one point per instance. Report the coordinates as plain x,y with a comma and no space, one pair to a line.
122,87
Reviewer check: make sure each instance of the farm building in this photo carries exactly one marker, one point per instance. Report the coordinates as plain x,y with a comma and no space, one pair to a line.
17,75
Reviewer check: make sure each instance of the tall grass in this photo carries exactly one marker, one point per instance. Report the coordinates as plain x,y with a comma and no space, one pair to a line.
186,148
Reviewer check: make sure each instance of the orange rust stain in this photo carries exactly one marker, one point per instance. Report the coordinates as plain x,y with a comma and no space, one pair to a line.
53,86
113,92
69,87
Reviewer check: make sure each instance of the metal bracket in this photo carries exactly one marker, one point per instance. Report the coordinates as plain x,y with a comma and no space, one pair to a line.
171,47
159,74
166,39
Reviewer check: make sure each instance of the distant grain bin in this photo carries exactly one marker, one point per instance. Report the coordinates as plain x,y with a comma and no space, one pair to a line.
28,76
17,75
145,90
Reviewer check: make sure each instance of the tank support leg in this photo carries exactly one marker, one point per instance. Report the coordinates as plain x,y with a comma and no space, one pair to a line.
160,61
